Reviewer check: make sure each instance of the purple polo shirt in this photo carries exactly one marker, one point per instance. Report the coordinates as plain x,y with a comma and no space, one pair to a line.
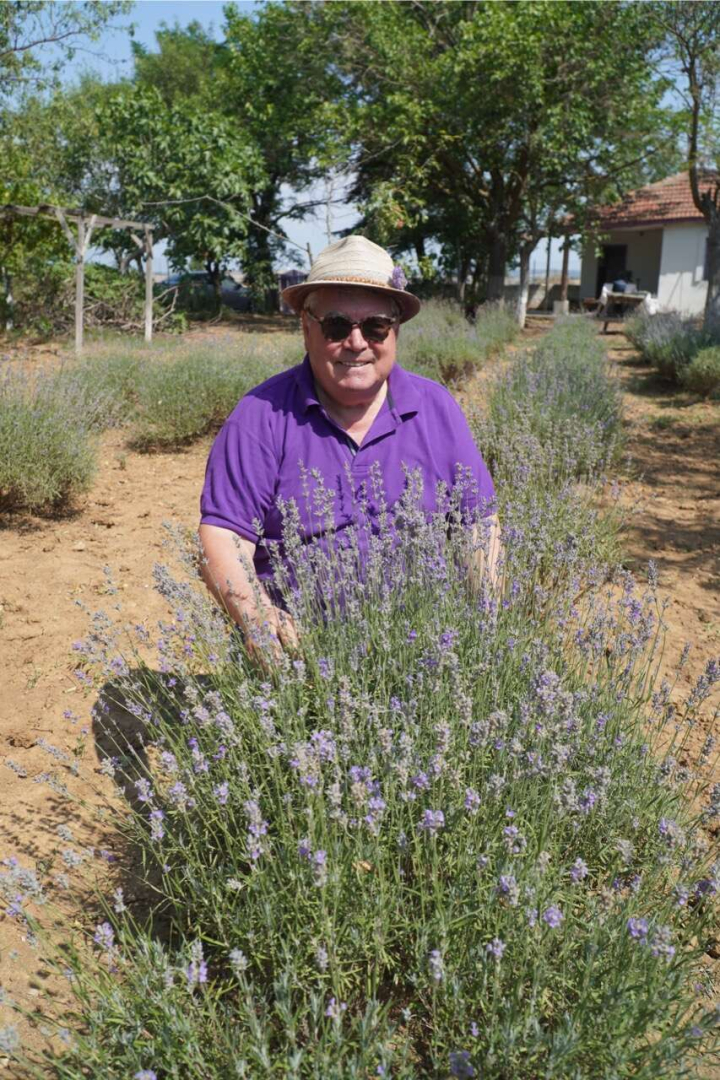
280,431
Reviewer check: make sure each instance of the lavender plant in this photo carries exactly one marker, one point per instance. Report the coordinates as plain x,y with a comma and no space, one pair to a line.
440,840
442,344
668,341
47,453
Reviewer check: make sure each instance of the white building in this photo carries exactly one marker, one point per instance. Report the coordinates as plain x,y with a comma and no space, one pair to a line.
659,235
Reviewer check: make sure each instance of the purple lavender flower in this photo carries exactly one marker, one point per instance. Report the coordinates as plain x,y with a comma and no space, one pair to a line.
196,971
460,1064
305,849
421,781
432,822
104,937
156,827
508,889
145,1074
553,916
495,948
638,928
334,1010
144,790
472,800
397,278
660,944
579,870
436,965
222,793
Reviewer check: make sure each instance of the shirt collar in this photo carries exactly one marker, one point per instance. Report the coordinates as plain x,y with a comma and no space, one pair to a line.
403,397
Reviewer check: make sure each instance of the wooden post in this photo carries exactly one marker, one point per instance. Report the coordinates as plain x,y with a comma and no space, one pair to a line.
148,284
79,284
565,265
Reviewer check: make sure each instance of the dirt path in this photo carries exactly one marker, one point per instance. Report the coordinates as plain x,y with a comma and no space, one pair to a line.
46,566
672,503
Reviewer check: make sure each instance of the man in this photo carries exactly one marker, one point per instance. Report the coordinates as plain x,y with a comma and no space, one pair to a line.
348,410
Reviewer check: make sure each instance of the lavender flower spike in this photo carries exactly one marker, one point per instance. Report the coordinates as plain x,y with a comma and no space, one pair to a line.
397,278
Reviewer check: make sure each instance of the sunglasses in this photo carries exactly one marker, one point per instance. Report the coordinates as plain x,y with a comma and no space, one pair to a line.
338,327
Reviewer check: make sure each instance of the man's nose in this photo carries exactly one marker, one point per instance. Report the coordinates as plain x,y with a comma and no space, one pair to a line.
355,340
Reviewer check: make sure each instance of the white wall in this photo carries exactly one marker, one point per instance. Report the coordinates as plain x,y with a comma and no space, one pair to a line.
644,247
681,271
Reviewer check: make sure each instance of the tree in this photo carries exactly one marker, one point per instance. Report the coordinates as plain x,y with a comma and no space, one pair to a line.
691,37
191,172
484,121
283,88
38,36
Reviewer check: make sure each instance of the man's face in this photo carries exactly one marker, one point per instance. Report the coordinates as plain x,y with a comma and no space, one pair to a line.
352,371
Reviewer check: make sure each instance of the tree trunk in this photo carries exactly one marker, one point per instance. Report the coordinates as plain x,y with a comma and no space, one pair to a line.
8,298
522,302
712,301
565,270
213,271
496,269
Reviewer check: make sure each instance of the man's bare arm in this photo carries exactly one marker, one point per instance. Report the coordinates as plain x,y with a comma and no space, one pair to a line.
488,553
227,570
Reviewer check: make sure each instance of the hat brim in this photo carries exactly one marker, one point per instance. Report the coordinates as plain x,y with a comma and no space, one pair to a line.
295,294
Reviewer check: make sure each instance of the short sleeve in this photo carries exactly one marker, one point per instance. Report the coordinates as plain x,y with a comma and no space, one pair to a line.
239,479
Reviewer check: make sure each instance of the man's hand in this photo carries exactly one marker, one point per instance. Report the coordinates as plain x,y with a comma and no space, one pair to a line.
228,572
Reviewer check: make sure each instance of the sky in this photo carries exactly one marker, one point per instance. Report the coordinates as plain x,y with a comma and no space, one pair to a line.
111,57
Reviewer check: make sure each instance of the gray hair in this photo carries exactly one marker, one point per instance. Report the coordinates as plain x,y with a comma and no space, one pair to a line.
313,295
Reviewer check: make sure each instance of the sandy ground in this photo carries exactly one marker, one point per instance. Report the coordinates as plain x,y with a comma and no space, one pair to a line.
47,566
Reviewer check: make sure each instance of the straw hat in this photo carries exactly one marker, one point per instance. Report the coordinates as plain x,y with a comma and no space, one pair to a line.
358,262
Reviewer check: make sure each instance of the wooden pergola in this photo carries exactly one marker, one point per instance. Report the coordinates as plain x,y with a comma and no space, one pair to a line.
140,231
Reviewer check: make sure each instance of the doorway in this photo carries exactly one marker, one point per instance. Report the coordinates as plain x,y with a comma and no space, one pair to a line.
613,262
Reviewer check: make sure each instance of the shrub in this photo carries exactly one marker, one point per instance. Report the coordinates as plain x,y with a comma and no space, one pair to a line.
182,398
560,396
702,374
47,454
45,299
437,839
442,344
668,341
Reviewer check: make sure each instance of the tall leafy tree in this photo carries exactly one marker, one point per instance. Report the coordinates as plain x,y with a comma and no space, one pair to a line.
38,36
691,43
284,89
487,120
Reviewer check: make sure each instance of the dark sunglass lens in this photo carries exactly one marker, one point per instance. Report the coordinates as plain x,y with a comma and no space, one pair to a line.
376,328
336,328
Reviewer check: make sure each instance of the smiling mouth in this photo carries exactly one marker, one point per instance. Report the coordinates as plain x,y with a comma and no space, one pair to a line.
354,363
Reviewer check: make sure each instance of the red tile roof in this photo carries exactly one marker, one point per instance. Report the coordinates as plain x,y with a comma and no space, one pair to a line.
666,201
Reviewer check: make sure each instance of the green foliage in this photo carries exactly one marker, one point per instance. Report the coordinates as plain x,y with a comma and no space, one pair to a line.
442,344
702,374
562,395
47,453
183,398
44,298
489,138
669,342
29,29
448,837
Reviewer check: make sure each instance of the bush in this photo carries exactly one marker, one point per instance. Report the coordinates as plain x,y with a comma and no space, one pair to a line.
702,374
435,842
668,341
560,396
45,300
47,453
442,344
